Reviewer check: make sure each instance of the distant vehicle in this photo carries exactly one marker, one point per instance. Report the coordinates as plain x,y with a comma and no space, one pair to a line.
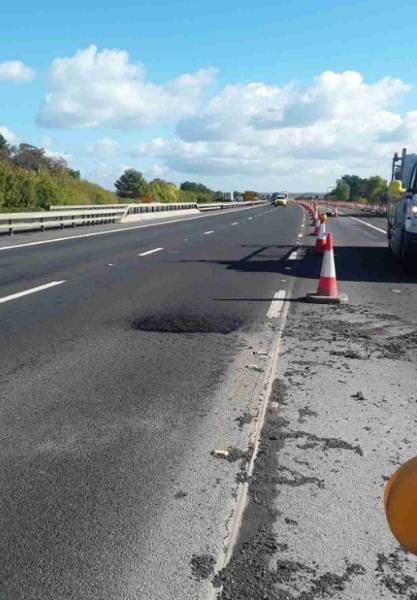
402,206
281,199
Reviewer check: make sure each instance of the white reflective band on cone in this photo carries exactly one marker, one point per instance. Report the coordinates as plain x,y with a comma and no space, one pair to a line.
328,268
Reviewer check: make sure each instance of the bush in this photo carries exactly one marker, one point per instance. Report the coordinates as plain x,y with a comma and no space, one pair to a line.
23,189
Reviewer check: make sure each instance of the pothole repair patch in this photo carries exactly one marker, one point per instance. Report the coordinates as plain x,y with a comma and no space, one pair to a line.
182,323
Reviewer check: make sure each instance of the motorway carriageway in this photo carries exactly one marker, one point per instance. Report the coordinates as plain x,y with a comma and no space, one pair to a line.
128,357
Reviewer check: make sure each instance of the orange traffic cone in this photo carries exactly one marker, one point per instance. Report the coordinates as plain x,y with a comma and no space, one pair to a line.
327,292
321,239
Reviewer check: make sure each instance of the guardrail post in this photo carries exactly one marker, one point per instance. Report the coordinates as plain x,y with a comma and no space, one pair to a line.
42,225
11,227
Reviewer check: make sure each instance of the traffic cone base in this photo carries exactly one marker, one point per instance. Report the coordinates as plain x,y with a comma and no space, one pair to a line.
327,292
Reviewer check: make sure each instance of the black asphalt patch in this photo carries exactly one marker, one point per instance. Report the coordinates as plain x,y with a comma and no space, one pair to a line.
183,323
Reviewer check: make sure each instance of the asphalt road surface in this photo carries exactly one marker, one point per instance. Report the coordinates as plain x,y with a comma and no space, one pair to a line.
138,353
116,385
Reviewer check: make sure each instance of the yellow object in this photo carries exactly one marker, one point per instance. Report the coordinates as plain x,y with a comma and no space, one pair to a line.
249,196
395,189
323,218
400,500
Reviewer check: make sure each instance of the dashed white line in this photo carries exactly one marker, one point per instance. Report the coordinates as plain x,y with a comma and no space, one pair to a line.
300,235
150,252
369,225
208,232
31,291
276,305
117,230
235,223
250,218
293,255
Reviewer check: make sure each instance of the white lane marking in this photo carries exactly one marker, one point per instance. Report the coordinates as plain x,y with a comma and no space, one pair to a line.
235,223
300,235
150,252
250,218
276,305
208,232
369,225
293,255
118,230
31,291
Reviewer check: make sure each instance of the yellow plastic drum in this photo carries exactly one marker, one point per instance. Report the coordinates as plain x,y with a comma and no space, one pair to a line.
323,218
400,499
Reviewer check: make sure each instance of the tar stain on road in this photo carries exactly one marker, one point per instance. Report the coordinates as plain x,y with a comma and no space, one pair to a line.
258,568
202,566
390,572
187,323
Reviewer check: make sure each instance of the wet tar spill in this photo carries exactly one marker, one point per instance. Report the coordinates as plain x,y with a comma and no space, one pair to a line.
202,566
390,572
244,419
186,323
305,412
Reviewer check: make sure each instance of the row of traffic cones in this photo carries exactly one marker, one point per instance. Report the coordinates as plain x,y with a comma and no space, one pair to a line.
327,290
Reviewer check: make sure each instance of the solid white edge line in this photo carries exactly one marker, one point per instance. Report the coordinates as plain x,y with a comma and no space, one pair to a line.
150,252
276,305
369,225
119,230
31,291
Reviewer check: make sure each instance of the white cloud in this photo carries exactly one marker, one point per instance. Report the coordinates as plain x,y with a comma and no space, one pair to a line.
337,123
96,88
104,148
10,136
67,156
403,131
15,71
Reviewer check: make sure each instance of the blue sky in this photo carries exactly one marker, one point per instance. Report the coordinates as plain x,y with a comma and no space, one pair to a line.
335,88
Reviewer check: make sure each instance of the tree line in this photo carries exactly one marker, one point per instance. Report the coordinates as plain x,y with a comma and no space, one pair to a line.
132,185
31,180
373,190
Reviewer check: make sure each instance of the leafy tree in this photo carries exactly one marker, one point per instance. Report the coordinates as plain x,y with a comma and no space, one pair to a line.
163,191
4,148
190,186
356,186
31,158
376,189
131,184
74,174
342,191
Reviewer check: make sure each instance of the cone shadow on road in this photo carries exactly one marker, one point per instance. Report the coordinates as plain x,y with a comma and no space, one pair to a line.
353,263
